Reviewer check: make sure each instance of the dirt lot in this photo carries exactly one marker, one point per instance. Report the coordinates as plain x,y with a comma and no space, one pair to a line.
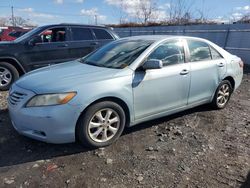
197,148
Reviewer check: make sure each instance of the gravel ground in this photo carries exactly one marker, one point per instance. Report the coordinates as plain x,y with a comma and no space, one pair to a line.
196,148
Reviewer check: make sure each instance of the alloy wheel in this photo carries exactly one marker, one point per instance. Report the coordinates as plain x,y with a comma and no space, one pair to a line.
104,125
5,77
223,95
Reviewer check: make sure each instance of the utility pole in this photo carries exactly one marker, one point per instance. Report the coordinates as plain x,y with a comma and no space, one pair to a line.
12,16
95,19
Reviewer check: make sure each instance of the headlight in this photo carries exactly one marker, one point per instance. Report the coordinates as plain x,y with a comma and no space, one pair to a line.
50,99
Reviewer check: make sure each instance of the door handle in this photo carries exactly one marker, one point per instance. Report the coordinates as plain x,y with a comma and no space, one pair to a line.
94,43
184,72
63,45
221,64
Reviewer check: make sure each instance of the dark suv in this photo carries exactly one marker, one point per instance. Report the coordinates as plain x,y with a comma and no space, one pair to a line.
47,45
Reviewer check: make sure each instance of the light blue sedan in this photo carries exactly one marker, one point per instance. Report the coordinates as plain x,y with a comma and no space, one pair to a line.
124,83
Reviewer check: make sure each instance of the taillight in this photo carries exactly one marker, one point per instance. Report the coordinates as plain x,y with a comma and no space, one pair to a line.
241,64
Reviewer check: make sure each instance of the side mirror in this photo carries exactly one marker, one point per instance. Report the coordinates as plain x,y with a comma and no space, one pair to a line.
152,64
35,40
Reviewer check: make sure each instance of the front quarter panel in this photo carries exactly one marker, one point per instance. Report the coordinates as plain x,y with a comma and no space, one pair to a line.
118,86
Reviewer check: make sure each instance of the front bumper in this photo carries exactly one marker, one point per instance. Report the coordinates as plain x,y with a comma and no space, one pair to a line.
52,124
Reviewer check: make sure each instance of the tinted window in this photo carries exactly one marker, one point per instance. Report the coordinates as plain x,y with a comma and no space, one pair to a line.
215,54
102,34
199,51
169,52
81,34
15,34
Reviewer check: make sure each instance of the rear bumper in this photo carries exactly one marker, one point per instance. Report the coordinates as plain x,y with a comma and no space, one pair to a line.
238,78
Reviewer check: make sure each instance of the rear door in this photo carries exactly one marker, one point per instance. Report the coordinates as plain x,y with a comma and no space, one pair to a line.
205,74
102,36
82,42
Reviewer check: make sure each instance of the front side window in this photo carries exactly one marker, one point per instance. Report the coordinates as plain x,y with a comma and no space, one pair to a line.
81,34
199,51
52,35
119,54
102,34
170,53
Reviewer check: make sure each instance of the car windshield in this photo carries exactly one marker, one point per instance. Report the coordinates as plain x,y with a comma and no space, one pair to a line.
119,54
28,34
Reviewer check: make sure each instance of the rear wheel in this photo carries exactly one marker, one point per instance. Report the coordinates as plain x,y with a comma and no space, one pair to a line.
8,74
222,95
101,124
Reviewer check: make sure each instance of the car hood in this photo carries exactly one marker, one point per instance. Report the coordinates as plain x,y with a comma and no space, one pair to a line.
63,77
4,44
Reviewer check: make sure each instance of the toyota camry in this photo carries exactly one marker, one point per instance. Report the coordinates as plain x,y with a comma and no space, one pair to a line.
124,83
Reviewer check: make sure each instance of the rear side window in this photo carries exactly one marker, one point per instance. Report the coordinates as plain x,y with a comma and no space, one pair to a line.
215,54
102,34
81,34
199,51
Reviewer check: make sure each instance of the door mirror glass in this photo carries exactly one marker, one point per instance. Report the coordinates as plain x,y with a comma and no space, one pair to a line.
153,64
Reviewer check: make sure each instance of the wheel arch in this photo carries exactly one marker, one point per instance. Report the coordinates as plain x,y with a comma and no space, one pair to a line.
117,100
228,78
13,61
231,80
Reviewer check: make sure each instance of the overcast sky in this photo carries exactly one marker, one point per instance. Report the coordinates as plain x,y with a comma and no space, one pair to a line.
82,11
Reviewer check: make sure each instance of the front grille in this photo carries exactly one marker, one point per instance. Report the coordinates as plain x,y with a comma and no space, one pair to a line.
16,97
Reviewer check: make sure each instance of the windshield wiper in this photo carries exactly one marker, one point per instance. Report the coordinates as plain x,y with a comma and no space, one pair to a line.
93,64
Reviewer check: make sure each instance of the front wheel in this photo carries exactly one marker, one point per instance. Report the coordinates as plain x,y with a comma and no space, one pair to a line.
222,95
8,74
101,124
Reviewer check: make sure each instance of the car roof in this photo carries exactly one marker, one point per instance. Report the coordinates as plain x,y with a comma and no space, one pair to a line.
160,37
73,24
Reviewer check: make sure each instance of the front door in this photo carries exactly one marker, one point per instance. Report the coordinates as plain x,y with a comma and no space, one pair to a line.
160,90
50,47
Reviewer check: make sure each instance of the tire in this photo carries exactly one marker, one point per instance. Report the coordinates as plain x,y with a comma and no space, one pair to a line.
222,95
107,117
8,75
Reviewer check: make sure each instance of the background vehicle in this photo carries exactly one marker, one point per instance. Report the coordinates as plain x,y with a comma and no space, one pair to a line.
47,45
16,34
11,33
124,83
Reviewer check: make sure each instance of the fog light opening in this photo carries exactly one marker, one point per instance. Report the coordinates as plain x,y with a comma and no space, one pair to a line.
40,133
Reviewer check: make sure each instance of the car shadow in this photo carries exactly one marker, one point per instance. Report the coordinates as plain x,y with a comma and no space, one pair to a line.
246,69
246,184
151,123
16,149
